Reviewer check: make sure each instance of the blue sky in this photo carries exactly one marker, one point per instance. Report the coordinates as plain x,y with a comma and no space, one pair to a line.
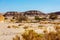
24,5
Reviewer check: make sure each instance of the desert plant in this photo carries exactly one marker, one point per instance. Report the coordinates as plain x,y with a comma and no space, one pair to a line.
22,18
37,18
52,36
53,16
16,38
32,35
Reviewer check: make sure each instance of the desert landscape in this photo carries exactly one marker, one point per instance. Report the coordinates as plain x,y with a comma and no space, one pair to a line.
30,25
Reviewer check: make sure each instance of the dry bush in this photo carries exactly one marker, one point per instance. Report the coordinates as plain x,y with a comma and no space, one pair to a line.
52,36
31,35
16,38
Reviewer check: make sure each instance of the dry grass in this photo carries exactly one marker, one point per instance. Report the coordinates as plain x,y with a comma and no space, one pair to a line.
16,38
31,35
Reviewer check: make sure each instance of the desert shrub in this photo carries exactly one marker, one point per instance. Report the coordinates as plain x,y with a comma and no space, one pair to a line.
37,18
32,35
52,36
53,16
22,18
16,38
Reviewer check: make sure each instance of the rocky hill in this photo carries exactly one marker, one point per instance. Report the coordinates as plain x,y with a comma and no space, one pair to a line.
11,13
34,12
57,13
30,12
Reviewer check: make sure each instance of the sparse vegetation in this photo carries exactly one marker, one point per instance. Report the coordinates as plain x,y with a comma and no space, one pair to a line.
37,18
22,18
13,26
30,28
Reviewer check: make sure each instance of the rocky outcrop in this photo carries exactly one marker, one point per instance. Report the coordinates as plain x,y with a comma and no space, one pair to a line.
57,13
29,13
33,13
11,13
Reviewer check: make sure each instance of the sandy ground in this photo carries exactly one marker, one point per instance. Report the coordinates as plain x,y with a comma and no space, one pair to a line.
9,33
